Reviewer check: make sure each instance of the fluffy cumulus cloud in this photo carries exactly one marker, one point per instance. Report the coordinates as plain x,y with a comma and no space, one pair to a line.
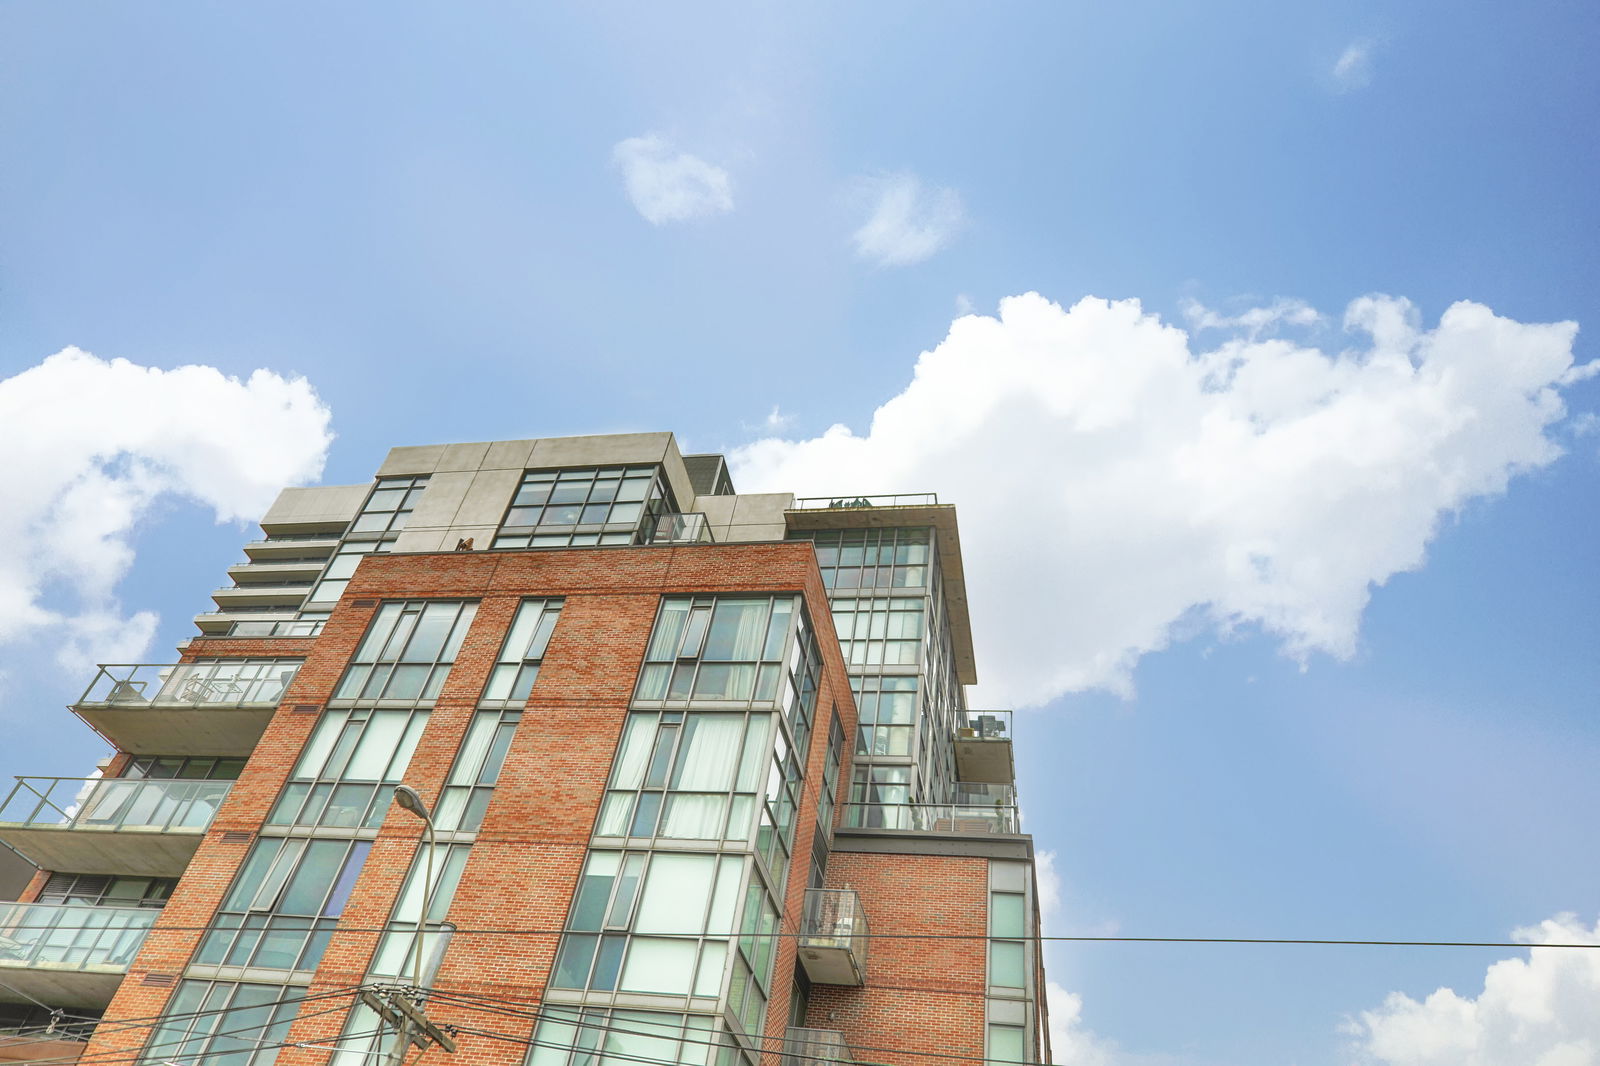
666,185
1114,479
1538,1011
93,445
907,221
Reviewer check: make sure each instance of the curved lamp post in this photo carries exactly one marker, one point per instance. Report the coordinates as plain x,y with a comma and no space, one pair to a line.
410,799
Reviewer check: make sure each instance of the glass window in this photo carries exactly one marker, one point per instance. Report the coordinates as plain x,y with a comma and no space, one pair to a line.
689,775
871,558
570,1037
213,1021
1008,917
880,630
586,505
347,772
1007,1043
518,666
472,779
396,956
407,651
101,890
284,904
651,922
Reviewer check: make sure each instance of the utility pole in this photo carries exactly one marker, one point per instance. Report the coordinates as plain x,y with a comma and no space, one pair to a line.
401,1007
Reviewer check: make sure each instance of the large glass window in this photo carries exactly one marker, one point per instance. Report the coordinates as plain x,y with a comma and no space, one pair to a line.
571,1037
408,651
518,666
585,505
656,922
189,768
284,904
879,630
734,649
101,890
871,558
390,505
476,771
222,1022
687,775
347,771
341,567
887,712
829,794
396,955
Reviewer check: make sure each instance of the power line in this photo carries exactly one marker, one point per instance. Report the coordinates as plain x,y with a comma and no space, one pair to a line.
1074,939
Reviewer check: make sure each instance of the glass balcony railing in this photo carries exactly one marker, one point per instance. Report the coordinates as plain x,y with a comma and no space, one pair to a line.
113,804
841,503
834,936
933,817
983,725
72,936
219,684
294,628
815,1047
687,528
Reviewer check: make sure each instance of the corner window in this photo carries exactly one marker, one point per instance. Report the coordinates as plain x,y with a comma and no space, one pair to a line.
585,505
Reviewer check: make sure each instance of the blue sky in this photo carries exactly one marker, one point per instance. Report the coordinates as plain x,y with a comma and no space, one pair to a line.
746,222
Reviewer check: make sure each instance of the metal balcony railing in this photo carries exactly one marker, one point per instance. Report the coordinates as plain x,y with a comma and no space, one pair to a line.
932,817
834,936
841,503
220,684
293,628
815,1047
115,804
983,725
72,936
690,527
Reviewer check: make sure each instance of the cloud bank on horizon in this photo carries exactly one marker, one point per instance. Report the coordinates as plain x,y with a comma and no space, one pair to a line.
95,445
1114,480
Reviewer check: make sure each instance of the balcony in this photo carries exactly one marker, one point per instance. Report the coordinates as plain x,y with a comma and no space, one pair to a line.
217,708
294,627
289,594
845,503
834,937
983,747
69,954
815,1047
116,825
964,818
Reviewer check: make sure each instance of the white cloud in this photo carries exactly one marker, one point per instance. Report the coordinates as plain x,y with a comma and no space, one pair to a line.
1070,1042
908,223
1538,1011
1253,321
667,185
93,445
1111,481
1353,69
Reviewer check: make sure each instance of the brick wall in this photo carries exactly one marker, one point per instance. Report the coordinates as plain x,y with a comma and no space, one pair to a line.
524,864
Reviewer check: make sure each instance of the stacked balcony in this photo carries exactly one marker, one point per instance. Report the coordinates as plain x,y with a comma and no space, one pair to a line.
983,748
70,955
216,708
816,1047
834,937
119,825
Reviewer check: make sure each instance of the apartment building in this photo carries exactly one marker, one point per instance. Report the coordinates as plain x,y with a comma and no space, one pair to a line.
686,776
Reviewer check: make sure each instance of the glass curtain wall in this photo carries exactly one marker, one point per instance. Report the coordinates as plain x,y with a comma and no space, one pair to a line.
586,505
887,600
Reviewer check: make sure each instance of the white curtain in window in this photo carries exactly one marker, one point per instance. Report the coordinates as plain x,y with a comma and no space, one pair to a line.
694,816
637,740
655,965
710,752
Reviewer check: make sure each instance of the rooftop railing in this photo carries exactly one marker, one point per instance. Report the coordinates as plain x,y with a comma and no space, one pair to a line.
115,804
815,1047
932,817
983,725
220,684
842,503
690,527
72,936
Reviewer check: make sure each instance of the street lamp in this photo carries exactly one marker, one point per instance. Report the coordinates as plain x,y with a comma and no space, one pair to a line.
410,799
